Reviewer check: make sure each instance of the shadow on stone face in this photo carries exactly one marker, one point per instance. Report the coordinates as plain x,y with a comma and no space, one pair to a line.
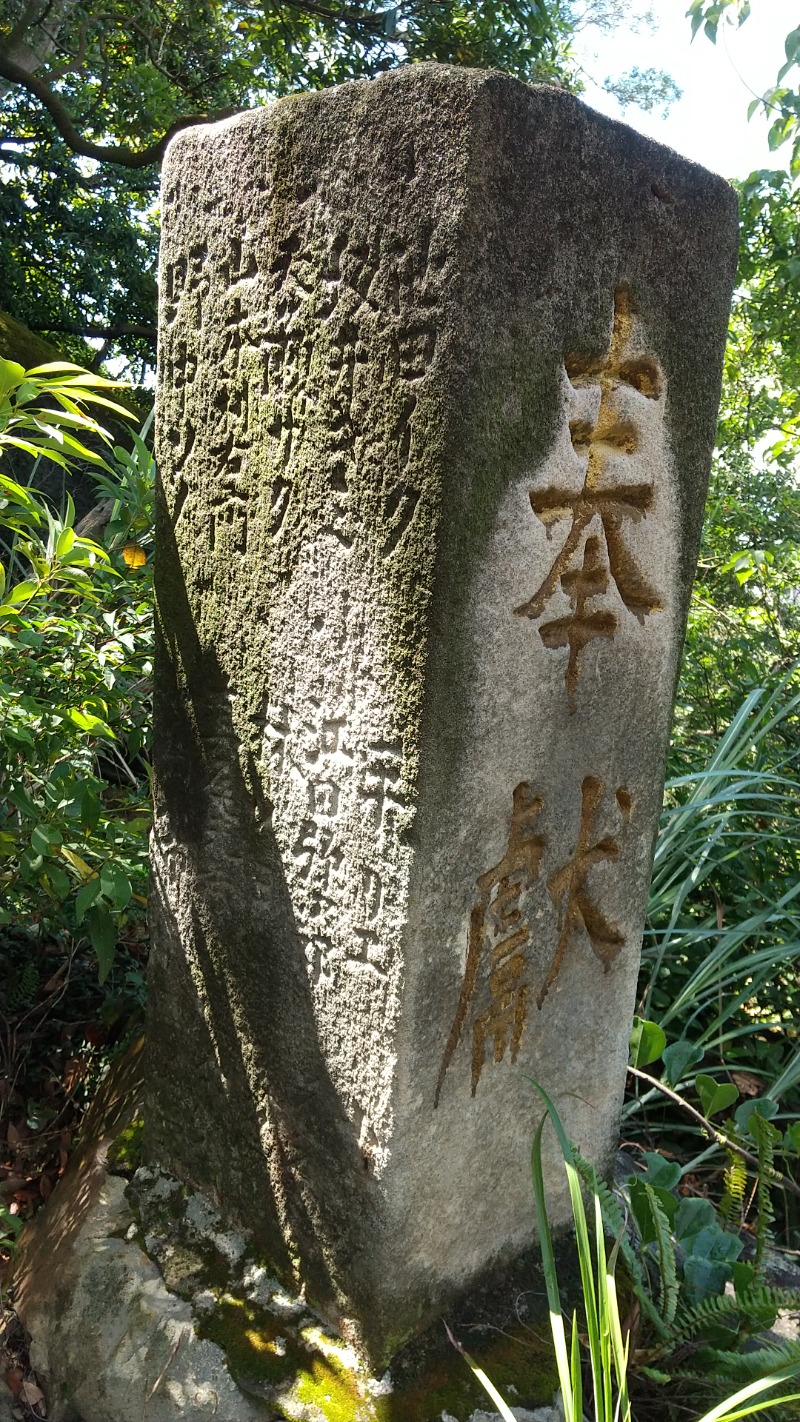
110,1341
52,1233
247,1112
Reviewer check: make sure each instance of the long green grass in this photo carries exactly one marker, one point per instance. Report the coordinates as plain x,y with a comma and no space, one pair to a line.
606,1397
722,942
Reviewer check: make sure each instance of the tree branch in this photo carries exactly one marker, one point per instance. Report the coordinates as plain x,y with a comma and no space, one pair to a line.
346,17
125,329
101,152
719,1136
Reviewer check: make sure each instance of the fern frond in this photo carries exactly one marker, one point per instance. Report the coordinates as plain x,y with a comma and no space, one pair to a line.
22,991
759,1299
731,1206
765,1135
667,1267
742,1367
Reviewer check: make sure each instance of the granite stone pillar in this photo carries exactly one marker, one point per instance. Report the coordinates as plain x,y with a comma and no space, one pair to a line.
439,371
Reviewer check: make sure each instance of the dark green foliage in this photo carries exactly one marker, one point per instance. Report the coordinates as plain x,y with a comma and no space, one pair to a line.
76,636
681,1256
78,239
20,982
744,624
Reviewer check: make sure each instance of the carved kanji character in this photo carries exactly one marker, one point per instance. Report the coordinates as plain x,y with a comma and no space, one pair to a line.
613,504
568,889
581,626
497,914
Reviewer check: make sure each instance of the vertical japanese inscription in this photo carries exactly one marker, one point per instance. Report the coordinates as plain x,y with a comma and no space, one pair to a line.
569,891
609,399
326,781
500,933
499,930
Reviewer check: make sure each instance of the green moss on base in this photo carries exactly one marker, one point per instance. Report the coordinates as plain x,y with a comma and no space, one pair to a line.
327,1386
125,1154
279,1361
518,1362
249,1337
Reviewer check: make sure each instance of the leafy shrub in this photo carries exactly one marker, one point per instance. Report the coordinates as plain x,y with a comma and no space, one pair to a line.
76,636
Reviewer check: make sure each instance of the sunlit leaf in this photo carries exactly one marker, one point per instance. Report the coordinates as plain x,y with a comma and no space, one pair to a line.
134,555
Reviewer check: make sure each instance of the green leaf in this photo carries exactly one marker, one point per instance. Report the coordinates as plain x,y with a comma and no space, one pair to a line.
744,1273
85,721
665,1173
692,1215
86,896
65,542
44,838
715,1096
711,1242
647,1042
59,881
115,884
704,1277
103,935
91,810
764,1105
11,375
21,592
677,1057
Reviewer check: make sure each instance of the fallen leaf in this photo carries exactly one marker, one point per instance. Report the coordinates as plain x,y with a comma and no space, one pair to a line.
75,1069
14,1136
31,1394
45,1187
57,979
748,1084
13,1379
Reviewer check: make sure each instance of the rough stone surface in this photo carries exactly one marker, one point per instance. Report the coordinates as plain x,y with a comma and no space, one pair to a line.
440,360
541,1414
121,1346
109,1342
143,1309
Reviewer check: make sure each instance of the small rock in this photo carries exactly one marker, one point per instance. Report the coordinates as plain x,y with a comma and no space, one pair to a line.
380,1387
230,1244
283,1303
201,1216
522,1414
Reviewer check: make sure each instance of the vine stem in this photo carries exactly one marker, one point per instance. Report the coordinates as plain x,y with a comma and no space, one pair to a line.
719,1136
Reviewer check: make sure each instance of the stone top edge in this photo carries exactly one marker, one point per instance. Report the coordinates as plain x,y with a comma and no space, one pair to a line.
471,81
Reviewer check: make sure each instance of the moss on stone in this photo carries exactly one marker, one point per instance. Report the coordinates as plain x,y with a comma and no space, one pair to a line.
518,1361
327,1386
186,1269
125,1152
278,1360
248,1335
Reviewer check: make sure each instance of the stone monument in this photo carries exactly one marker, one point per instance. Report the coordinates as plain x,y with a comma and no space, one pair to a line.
440,362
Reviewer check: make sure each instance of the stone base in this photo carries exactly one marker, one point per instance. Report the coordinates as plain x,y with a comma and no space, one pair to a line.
143,1307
